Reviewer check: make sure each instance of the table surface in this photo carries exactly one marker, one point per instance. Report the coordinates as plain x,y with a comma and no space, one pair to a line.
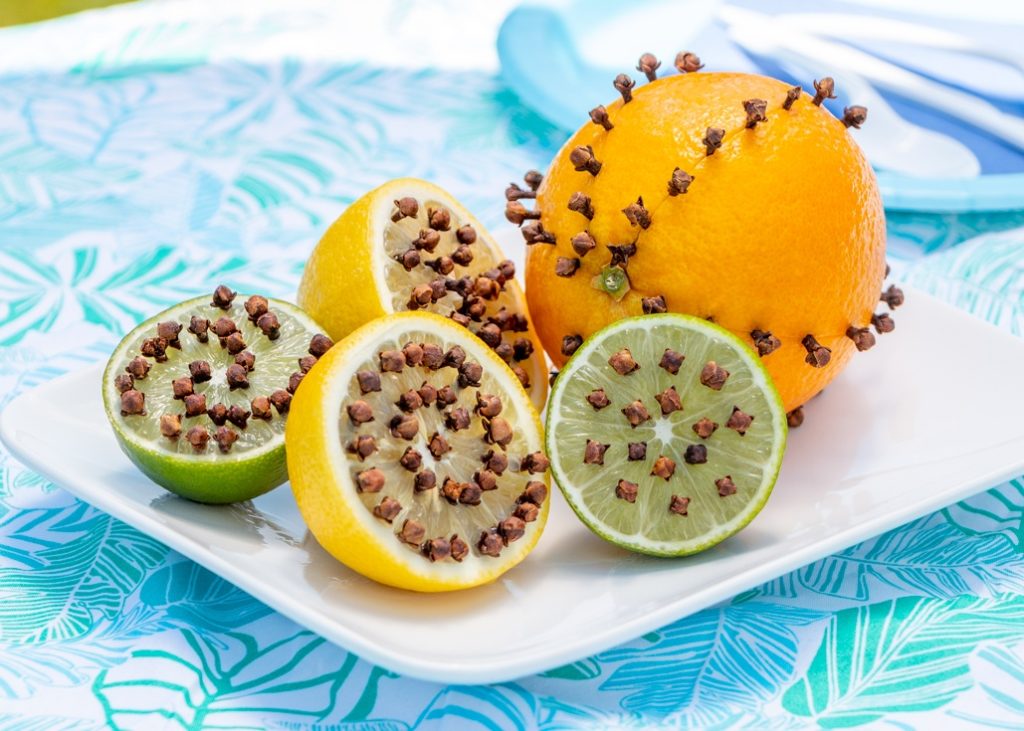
151,150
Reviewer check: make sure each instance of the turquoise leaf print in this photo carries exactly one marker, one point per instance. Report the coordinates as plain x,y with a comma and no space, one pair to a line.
907,654
999,510
928,557
83,567
190,679
504,707
996,699
707,667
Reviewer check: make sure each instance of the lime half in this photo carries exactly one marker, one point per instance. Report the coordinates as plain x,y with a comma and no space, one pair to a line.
665,434
198,395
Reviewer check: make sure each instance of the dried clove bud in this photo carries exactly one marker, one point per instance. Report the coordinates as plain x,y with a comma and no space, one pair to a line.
257,306
648,65
225,438
664,468
566,266
368,381
471,494
713,139
637,215
490,334
883,323
755,109
195,405
669,401
513,193
487,405
765,342
622,362
411,459
223,327
511,529
791,96
200,371
199,326
235,343
624,85
824,89
490,543
533,179
427,240
679,505
653,305
465,234
181,387
438,446
319,345
133,403
818,355
671,360
570,344
795,418
269,325
388,509
410,401
485,479
696,454
391,361
726,486
516,213
445,397
412,533
583,158
581,203
363,446
598,399
405,426
688,63
679,183
155,348
704,427
170,425
422,296
636,413
499,431
281,400
428,393
455,357
138,367
425,480
636,451
854,116
433,356
534,463
124,382
526,512
261,408
360,412
583,243
405,208
436,549
459,548
305,362
534,233
169,331
439,219
739,421
593,453
413,354
893,297
198,437
223,297
470,374
599,115
713,376
496,462
626,490
862,338
236,376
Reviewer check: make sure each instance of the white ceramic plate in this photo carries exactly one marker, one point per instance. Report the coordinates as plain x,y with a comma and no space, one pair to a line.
927,417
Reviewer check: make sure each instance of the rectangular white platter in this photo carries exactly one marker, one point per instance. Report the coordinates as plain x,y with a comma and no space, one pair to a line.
927,417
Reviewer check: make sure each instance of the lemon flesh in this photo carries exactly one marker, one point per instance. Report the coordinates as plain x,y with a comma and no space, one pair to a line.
354,274
325,466
706,488
255,463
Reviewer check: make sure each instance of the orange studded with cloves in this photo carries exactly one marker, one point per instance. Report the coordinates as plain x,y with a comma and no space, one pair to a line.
726,196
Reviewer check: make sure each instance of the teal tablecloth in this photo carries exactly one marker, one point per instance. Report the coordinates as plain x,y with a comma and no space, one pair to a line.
150,151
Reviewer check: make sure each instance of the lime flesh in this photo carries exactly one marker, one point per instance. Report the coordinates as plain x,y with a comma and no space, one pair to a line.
692,504
255,462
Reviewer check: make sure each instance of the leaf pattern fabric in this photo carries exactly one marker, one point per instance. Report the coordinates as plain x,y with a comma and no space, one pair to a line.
150,151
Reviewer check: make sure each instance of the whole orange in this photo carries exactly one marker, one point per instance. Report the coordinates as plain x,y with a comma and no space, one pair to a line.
781,229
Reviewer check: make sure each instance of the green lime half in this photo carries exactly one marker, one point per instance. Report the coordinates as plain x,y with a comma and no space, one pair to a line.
665,434
198,395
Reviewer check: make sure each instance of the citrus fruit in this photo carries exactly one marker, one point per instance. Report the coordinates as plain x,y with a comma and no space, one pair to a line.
416,456
727,196
409,245
665,434
199,394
